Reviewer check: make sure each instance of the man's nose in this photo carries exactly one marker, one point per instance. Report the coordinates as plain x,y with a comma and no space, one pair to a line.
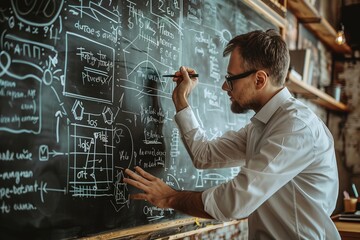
225,87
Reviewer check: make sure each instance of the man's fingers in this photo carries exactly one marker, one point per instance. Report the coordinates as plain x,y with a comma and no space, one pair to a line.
190,70
136,177
145,174
136,184
183,71
151,186
186,70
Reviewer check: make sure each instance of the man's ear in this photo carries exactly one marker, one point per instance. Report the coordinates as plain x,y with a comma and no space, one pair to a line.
261,79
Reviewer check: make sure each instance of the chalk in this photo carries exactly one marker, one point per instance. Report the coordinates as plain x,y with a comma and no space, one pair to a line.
190,75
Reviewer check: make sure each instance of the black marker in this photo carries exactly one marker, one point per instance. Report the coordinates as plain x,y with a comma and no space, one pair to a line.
190,75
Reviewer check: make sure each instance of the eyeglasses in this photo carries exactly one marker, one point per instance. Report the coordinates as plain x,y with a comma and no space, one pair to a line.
229,78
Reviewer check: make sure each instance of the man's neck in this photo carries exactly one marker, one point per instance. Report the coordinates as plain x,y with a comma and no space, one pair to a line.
265,96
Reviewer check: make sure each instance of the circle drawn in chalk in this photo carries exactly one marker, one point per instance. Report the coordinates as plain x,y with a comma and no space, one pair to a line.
37,13
5,61
47,77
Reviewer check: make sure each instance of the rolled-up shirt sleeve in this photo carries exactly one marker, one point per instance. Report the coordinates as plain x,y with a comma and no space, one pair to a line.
225,151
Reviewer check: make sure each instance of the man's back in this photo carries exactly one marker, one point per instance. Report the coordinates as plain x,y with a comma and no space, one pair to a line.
300,209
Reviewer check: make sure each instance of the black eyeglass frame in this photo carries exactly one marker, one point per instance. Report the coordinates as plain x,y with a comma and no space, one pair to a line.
229,78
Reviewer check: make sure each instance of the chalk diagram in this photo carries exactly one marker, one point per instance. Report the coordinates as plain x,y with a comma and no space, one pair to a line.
89,76
27,66
92,155
96,69
82,79
146,71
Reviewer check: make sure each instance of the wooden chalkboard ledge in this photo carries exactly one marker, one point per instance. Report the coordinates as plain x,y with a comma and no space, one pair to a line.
175,229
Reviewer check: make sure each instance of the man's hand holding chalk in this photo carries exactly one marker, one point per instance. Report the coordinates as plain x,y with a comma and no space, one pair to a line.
184,85
173,75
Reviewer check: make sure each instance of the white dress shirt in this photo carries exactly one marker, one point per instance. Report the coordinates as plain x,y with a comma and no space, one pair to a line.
288,181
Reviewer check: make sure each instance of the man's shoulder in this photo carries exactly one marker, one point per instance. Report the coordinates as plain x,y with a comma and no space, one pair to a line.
294,111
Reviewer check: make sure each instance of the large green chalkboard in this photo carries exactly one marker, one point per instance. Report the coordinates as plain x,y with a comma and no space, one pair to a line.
82,98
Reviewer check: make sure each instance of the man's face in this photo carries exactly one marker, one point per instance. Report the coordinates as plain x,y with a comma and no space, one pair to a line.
242,93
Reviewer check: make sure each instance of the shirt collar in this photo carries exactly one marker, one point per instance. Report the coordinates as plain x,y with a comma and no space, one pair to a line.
271,106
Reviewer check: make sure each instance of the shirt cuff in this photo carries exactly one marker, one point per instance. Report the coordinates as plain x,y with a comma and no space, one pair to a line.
186,120
210,205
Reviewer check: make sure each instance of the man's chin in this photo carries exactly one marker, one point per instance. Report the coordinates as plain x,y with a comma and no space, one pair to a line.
236,108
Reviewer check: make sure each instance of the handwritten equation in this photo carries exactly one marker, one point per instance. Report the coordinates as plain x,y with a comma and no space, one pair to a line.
82,99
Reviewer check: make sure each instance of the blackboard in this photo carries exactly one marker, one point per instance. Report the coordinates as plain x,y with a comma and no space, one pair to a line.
82,99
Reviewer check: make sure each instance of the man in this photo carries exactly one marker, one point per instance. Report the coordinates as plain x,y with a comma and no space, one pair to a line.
288,182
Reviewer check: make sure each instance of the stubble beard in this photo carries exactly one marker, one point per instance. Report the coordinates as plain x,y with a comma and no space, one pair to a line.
238,109
244,108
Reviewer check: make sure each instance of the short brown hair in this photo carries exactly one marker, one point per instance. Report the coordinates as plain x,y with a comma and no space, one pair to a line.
262,51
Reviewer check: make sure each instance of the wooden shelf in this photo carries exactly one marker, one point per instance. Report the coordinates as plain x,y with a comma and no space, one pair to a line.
315,95
174,229
319,26
347,230
264,9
